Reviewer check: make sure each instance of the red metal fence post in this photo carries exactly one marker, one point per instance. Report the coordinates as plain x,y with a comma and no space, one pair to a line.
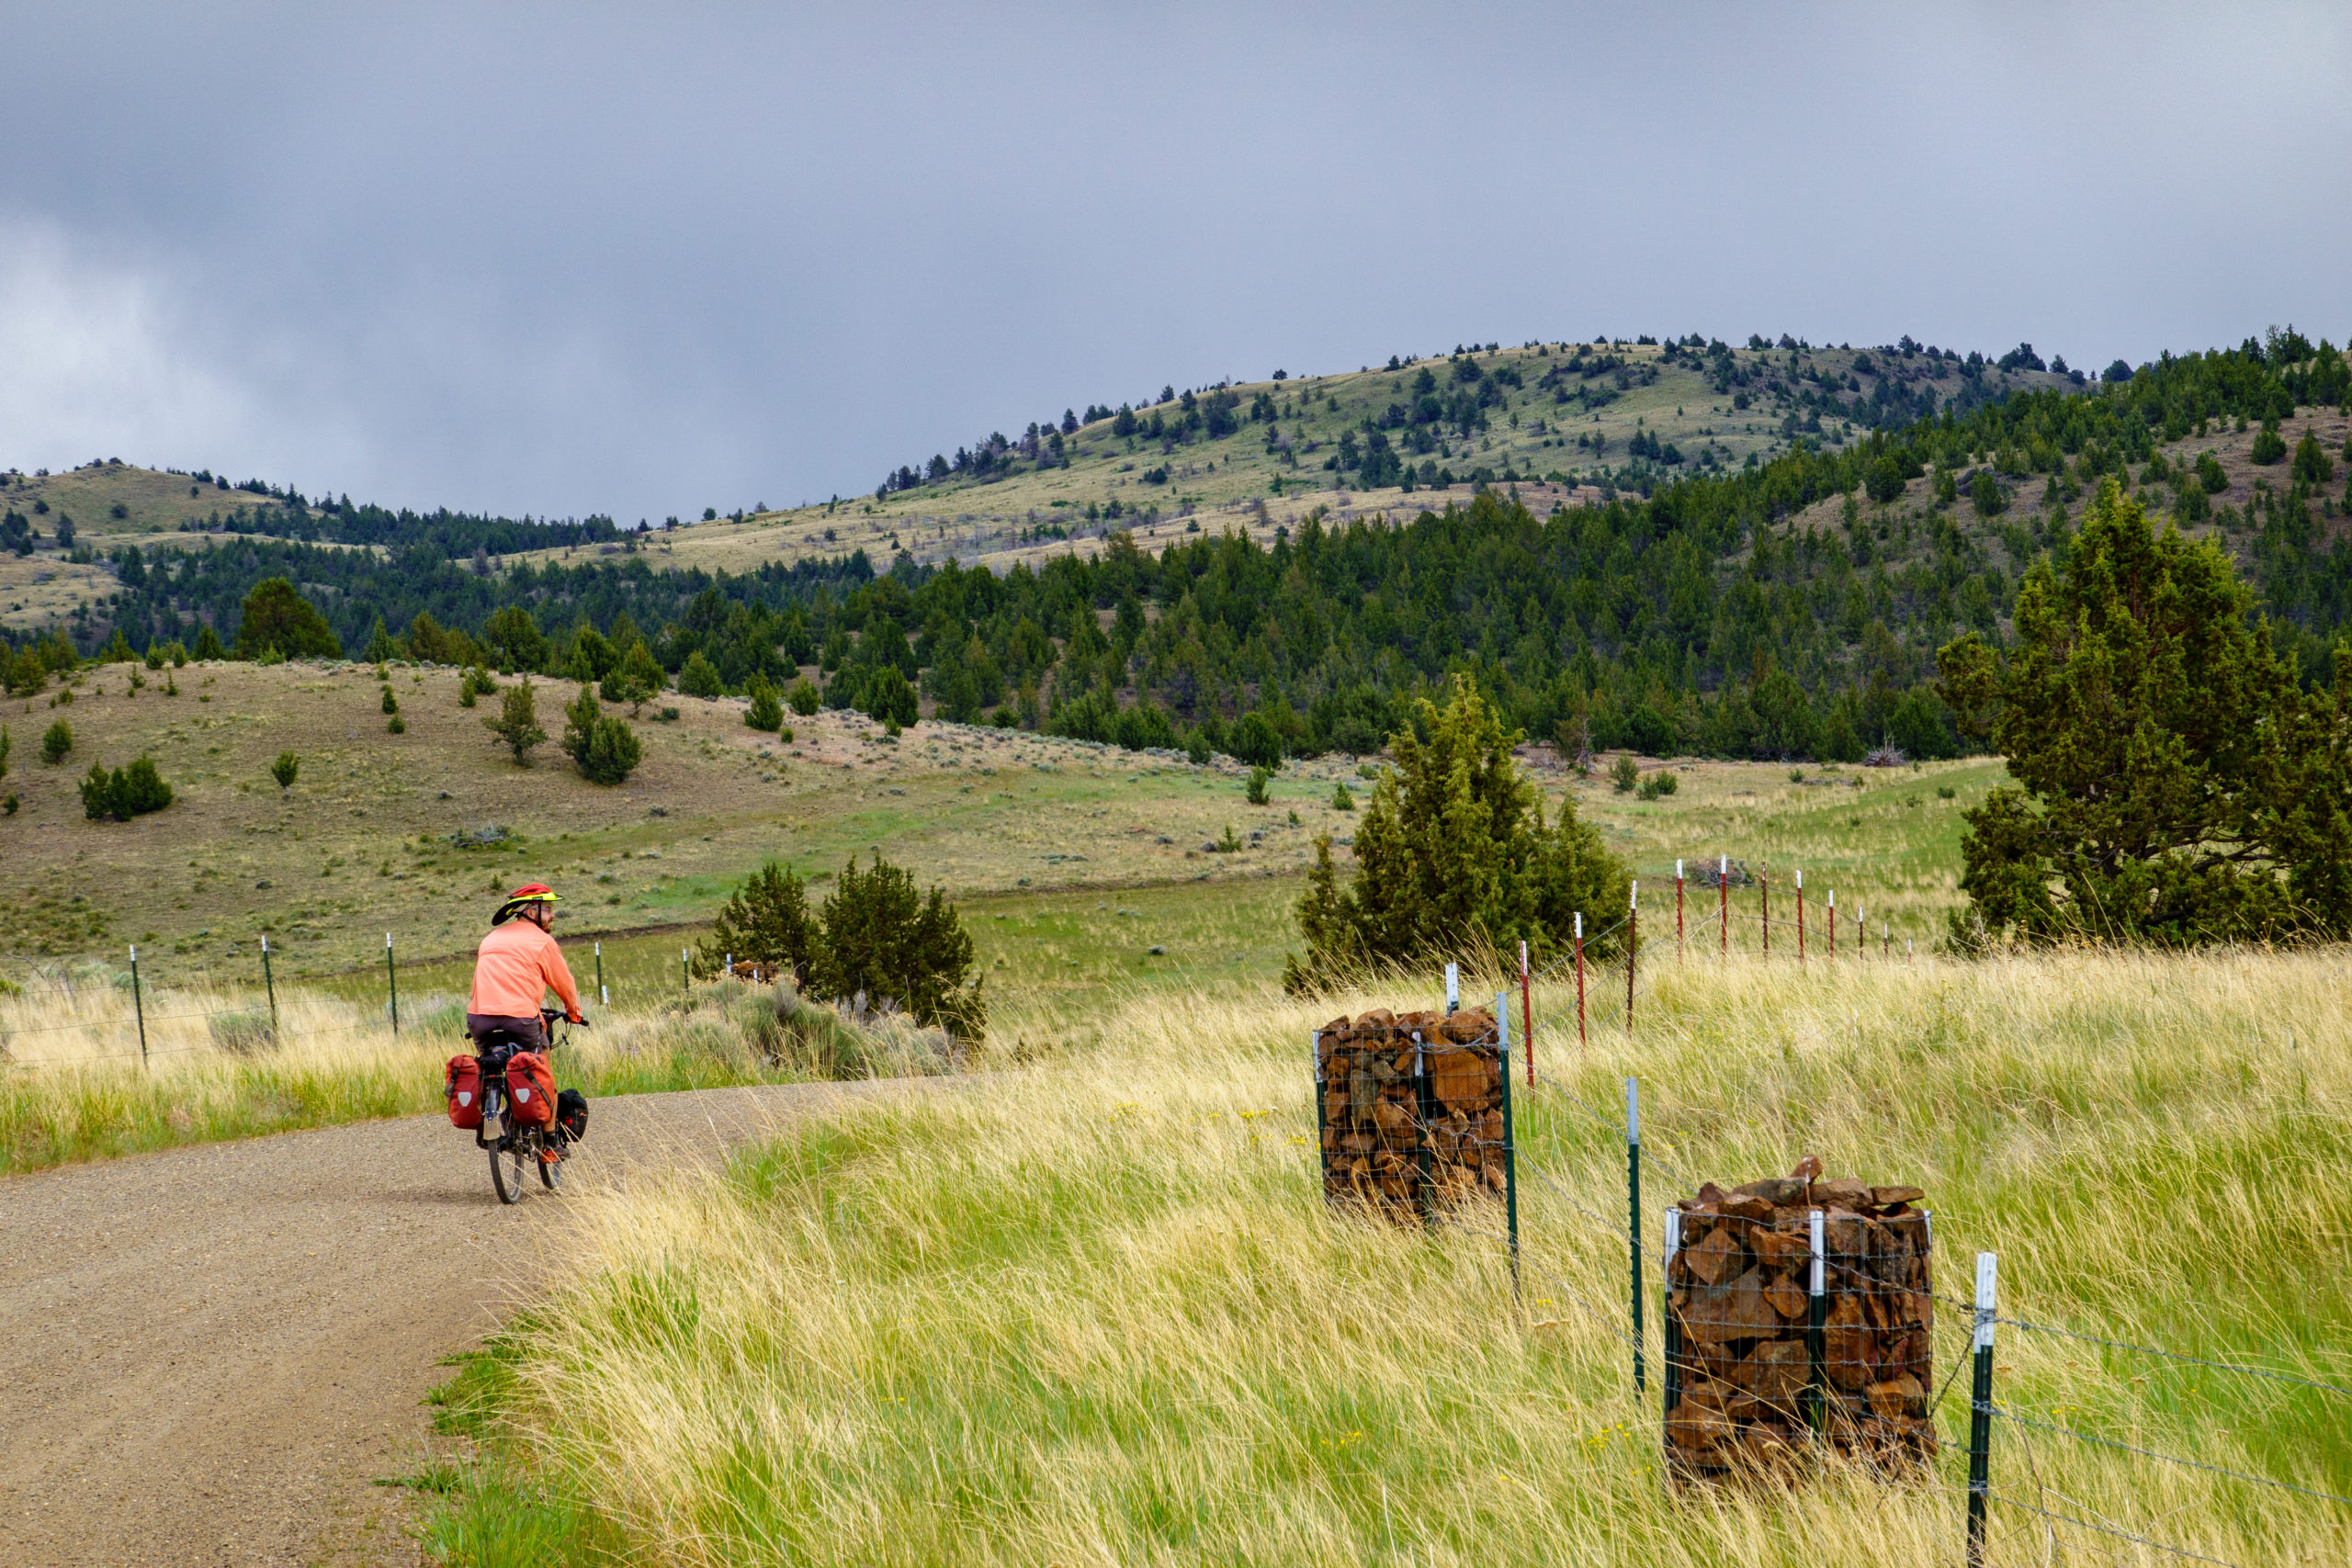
1678,911
1580,1037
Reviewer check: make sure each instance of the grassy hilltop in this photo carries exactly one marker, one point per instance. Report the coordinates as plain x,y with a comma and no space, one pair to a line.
1562,423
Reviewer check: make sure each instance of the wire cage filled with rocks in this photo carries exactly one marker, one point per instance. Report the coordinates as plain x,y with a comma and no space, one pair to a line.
1414,1111
1798,1313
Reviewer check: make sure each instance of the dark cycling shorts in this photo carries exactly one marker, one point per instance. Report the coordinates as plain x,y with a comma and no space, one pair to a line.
525,1030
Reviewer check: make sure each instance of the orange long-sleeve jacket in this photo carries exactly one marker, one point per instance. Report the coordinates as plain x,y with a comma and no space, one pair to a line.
514,965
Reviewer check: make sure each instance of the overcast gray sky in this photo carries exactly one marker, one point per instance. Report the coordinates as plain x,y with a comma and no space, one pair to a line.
574,258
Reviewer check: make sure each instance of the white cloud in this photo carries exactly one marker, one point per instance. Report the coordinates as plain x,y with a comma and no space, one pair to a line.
101,356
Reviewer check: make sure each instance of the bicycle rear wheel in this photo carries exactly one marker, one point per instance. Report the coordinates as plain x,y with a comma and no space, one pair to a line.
508,1168
552,1170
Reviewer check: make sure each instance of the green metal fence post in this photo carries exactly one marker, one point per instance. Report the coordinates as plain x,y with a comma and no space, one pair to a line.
139,1005
392,981
686,974
1634,1215
603,997
1510,1141
1980,1420
270,984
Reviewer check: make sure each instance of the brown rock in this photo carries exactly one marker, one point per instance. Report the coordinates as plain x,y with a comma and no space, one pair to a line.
1896,1194
1469,1024
1696,1428
1843,1193
1491,1127
1706,1390
1786,1298
1720,1313
1845,1237
1426,1024
1749,1207
1494,1175
1775,1371
1897,1396
1357,1143
1808,1169
1775,1190
1394,1120
1780,1248
1377,1019
1461,1080
1846,1344
1710,1193
1718,1257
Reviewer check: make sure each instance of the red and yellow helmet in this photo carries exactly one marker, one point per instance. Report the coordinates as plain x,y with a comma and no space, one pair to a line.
522,898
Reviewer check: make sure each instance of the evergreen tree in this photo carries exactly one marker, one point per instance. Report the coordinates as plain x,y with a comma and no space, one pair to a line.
700,678
276,619
381,645
767,712
802,696
284,771
604,749
124,792
885,941
2178,785
207,645
517,724
765,921
1451,854
56,742
888,698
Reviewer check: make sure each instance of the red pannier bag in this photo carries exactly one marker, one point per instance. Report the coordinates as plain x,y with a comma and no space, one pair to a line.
463,1086
530,1084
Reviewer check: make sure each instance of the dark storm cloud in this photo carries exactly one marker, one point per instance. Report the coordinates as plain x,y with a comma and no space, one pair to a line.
572,259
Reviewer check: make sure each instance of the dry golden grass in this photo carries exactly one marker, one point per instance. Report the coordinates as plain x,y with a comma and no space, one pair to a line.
73,1085
1097,1313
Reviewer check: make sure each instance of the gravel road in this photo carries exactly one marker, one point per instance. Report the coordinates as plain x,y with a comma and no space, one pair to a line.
206,1355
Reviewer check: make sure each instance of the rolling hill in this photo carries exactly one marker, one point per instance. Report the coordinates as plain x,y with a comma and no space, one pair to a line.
1679,547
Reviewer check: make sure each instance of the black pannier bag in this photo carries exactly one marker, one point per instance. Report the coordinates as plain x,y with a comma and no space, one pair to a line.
572,1114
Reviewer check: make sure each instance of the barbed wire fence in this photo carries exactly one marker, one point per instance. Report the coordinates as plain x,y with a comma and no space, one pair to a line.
1987,1516
232,1029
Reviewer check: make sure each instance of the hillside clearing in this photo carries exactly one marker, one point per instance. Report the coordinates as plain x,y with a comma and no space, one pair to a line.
370,839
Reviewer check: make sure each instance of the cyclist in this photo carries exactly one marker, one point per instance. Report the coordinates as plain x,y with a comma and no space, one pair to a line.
515,964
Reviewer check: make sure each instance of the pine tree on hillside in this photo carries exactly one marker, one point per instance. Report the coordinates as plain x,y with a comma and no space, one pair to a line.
2176,784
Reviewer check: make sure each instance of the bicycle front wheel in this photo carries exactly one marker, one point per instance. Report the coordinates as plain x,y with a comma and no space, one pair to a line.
508,1168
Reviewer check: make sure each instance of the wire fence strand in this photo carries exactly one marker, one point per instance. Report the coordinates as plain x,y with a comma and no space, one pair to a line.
2009,1416
2009,1501
2176,1355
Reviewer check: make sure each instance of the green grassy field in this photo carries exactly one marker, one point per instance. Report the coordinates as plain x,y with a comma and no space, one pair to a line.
370,839
1100,1315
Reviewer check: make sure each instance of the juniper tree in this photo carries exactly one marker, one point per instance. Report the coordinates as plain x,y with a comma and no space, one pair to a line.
767,712
765,921
517,724
1451,853
604,749
883,939
2175,783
